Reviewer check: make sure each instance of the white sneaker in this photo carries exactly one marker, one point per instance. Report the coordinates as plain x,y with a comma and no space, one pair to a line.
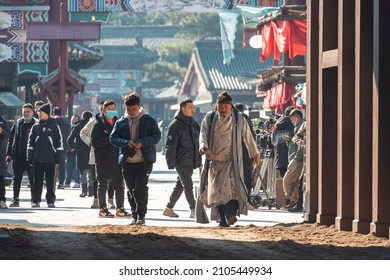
3,205
95,203
192,215
76,186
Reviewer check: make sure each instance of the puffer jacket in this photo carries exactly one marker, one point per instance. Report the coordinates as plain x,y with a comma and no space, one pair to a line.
45,143
182,146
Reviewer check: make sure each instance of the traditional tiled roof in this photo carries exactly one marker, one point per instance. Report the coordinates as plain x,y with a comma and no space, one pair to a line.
128,54
219,76
81,51
153,90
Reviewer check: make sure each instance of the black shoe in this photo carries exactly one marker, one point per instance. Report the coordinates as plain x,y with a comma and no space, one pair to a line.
60,187
232,220
295,209
15,202
83,195
223,224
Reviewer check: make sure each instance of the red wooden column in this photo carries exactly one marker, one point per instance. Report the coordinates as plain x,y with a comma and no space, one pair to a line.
327,112
363,117
58,32
381,120
346,115
311,198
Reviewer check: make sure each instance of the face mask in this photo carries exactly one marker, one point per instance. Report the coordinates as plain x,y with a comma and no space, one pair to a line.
28,119
110,114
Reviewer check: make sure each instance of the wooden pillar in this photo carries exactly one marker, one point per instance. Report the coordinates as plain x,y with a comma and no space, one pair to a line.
327,112
363,117
346,116
381,119
311,196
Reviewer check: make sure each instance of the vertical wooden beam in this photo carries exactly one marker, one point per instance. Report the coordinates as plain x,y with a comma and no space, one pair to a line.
327,116
345,115
312,69
363,117
381,119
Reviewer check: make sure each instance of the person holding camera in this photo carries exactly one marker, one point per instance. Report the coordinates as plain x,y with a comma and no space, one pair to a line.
17,150
107,169
182,153
136,135
45,149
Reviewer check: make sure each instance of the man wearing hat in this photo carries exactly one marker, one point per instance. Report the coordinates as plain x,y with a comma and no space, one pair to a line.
222,185
45,149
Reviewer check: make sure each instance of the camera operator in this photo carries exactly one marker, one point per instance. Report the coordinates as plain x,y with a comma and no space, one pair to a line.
283,126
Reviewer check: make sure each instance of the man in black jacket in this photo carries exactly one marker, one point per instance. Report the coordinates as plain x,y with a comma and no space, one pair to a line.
45,149
182,148
17,150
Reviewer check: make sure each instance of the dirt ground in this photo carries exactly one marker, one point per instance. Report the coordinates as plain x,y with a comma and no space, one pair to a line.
281,242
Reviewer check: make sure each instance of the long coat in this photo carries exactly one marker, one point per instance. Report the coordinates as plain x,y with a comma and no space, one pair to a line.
106,155
82,149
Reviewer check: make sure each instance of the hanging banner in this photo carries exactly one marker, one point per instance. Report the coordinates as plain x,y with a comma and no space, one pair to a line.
228,25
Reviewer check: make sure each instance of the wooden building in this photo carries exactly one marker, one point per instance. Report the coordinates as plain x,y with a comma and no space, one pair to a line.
347,115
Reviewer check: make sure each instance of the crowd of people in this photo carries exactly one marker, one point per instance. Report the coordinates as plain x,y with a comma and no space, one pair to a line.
102,153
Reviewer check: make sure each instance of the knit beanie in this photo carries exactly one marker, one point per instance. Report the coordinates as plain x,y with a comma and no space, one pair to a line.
45,108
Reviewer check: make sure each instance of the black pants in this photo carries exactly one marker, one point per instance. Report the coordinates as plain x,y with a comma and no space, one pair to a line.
183,183
116,184
43,169
137,176
2,189
19,166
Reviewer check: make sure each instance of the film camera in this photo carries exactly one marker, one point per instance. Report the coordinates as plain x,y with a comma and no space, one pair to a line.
264,138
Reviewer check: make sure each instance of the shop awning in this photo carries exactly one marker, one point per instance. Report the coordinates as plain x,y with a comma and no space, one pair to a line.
10,100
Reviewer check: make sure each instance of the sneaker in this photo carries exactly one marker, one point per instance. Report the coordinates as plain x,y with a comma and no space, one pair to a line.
110,203
192,215
104,213
3,205
120,212
76,186
95,203
83,195
35,205
141,222
60,187
15,202
51,205
134,222
66,186
170,213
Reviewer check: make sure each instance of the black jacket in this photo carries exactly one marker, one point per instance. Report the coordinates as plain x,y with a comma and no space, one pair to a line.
82,149
106,155
45,143
4,136
17,143
182,146
283,127
65,127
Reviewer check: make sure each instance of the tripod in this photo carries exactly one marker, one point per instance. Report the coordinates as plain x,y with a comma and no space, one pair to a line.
266,180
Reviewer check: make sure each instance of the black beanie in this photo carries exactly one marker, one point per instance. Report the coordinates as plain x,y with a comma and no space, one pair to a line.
45,108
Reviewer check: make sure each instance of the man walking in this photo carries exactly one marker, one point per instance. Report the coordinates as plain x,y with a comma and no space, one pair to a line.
45,149
17,151
222,183
182,153
136,135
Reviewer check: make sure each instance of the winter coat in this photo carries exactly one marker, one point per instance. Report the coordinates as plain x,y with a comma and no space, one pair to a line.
106,155
283,127
16,148
65,127
85,135
4,136
45,143
182,146
82,149
148,134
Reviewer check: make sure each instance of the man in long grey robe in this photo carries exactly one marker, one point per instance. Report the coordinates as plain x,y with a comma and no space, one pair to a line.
222,183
